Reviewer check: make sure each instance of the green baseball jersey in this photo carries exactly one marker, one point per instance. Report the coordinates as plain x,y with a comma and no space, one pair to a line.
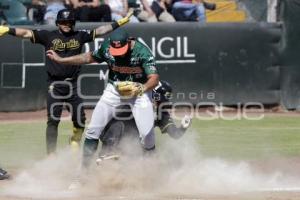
135,66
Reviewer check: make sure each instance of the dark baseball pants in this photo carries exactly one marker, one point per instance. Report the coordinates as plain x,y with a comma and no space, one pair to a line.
60,95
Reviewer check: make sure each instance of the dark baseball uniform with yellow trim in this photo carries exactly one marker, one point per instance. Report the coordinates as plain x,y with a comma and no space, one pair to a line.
64,45
163,121
135,66
62,79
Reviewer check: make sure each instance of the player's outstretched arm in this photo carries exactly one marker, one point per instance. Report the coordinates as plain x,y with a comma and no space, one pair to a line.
80,59
101,30
19,32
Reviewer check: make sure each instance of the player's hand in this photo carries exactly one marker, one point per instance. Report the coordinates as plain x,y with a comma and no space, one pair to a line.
3,30
125,20
53,56
130,89
186,121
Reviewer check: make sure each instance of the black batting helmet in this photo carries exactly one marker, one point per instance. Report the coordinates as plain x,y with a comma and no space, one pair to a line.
162,92
65,15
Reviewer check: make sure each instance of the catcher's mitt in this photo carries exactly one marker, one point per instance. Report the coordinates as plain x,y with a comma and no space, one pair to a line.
130,89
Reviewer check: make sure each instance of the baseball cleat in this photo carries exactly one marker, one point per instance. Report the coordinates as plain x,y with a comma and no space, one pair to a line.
107,157
4,174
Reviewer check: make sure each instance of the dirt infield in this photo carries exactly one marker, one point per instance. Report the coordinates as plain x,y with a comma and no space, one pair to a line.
178,172
206,179
246,196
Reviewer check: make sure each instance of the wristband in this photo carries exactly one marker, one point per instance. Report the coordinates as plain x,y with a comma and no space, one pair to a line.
12,31
115,25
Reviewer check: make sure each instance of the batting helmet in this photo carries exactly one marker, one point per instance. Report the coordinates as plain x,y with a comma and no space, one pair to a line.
162,92
65,15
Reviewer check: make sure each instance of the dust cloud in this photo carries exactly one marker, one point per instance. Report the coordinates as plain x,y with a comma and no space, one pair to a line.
177,167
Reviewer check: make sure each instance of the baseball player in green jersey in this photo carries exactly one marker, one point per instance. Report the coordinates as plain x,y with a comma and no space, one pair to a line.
132,76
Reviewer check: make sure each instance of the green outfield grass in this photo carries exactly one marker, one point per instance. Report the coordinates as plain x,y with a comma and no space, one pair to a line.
244,139
23,143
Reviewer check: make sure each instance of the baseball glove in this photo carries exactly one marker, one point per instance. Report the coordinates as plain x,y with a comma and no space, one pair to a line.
130,89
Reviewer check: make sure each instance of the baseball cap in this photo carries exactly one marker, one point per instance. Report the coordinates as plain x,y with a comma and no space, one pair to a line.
118,42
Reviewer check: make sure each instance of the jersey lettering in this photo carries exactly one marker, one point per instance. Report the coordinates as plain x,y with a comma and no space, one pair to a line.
59,45
127,70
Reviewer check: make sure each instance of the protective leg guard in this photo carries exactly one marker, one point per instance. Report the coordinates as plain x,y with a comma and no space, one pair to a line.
111,137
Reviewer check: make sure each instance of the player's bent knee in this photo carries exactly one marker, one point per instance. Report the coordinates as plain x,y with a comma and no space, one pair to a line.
93,133
112,134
